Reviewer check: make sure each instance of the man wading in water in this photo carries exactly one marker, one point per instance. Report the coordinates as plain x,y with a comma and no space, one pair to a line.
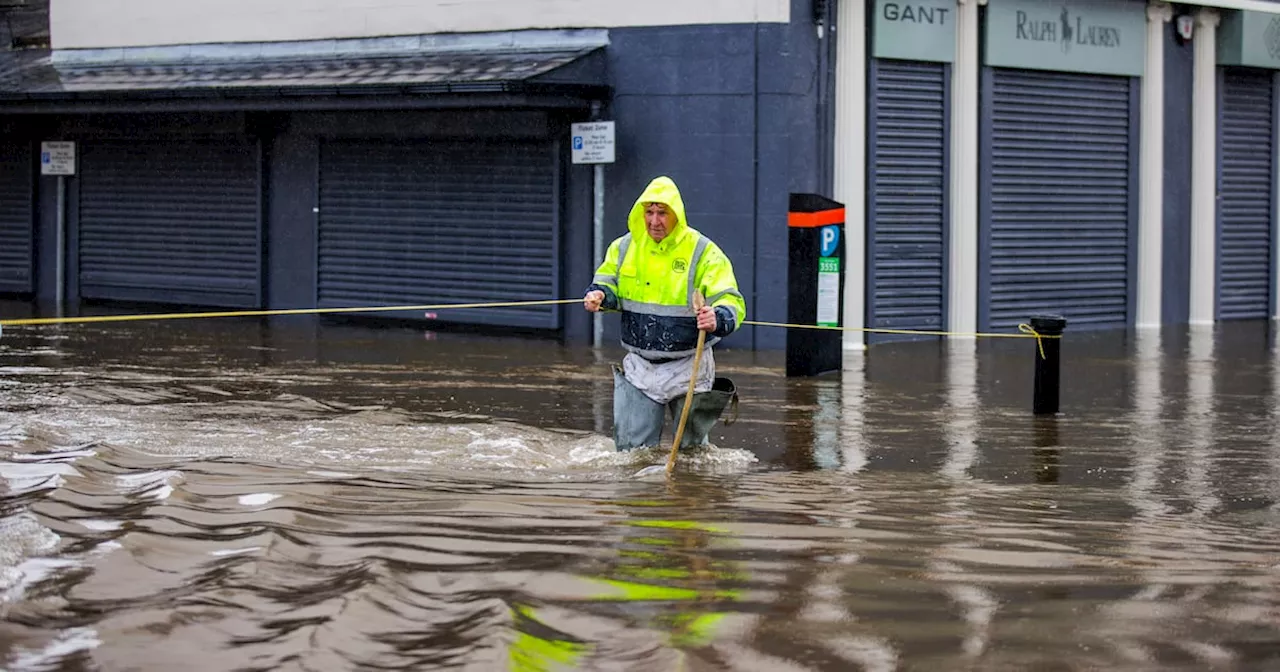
650,274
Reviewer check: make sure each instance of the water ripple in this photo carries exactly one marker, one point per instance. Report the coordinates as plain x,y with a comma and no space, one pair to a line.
204,508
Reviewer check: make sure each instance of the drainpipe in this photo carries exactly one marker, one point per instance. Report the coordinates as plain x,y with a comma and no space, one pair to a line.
597,230
1204,168
60,282
850,169
1151,170
962,305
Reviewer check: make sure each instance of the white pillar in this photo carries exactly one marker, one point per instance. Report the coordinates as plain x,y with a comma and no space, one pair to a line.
854,447
1151,171
977,603
851,159
1147,426
962,313
960,427
1204,166
1201,408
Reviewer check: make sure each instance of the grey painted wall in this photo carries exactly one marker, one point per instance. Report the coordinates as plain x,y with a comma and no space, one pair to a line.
576,242
292,180
44,244
731,114
685,107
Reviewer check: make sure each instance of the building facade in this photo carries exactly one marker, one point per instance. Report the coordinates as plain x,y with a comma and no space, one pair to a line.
1113,161
1109,161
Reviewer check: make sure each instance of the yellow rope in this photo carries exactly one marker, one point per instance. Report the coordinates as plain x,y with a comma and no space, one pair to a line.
1030,331
1026,330
262,313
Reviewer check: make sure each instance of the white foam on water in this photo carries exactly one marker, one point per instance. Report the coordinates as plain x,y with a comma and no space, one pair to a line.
338,444
33,352
26,570
23,537
67,642
258,499
156,484
28,476
651,470
100,525
25,370
60,455
15,582
223,552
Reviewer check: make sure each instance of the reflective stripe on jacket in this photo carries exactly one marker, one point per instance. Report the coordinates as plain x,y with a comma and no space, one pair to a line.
652,283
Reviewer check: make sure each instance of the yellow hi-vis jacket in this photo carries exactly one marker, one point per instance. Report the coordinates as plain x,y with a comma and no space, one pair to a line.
652,283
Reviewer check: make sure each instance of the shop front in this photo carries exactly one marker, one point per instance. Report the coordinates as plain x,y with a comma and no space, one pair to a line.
1059,145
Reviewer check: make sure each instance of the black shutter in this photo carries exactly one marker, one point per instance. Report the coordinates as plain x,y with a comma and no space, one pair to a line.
408,223
171,221
15,218
1244,196
1060,197
908,196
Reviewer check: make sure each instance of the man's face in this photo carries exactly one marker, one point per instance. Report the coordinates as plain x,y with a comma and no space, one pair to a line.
657,220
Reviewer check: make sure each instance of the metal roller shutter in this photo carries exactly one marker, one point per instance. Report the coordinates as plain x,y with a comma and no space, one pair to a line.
1244,196
908,196
405,223
171,221
15,218
1060,198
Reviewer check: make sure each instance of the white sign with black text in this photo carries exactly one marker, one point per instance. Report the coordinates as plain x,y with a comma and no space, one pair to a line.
592,142
57,158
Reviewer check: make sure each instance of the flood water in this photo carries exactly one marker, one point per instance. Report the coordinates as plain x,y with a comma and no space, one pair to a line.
302,494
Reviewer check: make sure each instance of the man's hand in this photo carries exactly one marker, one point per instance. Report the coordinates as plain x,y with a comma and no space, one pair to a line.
707,319
592,301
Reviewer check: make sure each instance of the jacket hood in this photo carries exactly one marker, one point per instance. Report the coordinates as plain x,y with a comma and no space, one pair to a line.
660,190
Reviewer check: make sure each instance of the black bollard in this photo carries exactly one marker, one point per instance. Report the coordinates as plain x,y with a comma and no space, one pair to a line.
1048,452
1048,368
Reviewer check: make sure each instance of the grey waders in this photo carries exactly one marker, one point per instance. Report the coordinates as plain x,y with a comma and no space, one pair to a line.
638,420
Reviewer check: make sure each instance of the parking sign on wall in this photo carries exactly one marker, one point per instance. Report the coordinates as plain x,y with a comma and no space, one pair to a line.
57,158
592,142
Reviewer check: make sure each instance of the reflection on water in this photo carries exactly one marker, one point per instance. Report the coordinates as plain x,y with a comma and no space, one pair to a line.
297,494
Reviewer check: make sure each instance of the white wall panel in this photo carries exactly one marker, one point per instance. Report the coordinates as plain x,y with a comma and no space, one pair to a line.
79,24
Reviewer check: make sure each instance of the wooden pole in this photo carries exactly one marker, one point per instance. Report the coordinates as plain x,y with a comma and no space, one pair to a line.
698,303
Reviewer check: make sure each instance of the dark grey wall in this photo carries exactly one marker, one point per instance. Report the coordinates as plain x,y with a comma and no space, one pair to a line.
794,154
737,115
731,114
1175,305
44,244
576,242
685,107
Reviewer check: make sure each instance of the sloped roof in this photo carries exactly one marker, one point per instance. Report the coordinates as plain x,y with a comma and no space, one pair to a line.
425,64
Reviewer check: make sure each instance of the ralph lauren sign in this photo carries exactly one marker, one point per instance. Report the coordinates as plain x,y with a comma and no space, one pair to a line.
1068,35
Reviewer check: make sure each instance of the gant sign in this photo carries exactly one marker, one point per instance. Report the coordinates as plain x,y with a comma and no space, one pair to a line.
923,30
1070,35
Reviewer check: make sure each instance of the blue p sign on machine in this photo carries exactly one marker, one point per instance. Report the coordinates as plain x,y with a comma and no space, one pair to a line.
830,240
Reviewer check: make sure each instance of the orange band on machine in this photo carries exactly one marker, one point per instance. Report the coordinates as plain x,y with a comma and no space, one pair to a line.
812,219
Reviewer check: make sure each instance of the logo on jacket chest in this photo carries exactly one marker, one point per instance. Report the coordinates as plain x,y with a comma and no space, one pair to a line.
680,266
